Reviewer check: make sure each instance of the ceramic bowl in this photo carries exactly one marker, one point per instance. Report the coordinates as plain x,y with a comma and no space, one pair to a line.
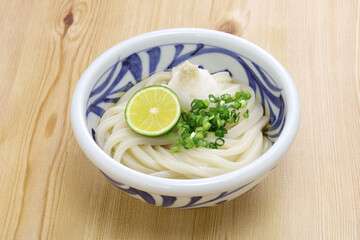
130,61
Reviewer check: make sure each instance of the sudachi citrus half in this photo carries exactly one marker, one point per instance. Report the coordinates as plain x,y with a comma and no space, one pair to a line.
153,111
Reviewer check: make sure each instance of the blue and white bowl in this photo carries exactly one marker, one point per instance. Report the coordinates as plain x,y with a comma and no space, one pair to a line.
127,63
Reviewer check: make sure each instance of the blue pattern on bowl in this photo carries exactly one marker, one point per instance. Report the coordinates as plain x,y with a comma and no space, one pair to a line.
171,201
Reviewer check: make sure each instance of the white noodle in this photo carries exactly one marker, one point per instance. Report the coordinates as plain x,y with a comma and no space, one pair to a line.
244,141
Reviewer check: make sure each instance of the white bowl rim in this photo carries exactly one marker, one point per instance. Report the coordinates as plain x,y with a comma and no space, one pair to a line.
184,187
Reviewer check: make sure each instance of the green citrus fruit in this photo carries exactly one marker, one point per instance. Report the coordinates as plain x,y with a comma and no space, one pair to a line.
153,111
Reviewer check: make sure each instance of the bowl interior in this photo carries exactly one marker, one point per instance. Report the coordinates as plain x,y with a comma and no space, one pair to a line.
123,72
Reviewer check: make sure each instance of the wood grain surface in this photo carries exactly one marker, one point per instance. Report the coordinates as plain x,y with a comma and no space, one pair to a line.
50,190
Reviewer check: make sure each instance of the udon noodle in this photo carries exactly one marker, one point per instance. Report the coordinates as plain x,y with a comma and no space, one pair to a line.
244,141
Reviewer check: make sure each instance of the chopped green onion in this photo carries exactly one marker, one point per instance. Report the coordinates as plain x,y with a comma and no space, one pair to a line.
219,142
247,95
206,102
220,132
237,118
175,149
246,114
170,137
206,125
193,102
243,103
212,145
213,99
187,143
199,136
202,143
203,121
237,104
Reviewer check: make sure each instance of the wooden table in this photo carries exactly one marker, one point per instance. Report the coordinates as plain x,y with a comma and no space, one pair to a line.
50,190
